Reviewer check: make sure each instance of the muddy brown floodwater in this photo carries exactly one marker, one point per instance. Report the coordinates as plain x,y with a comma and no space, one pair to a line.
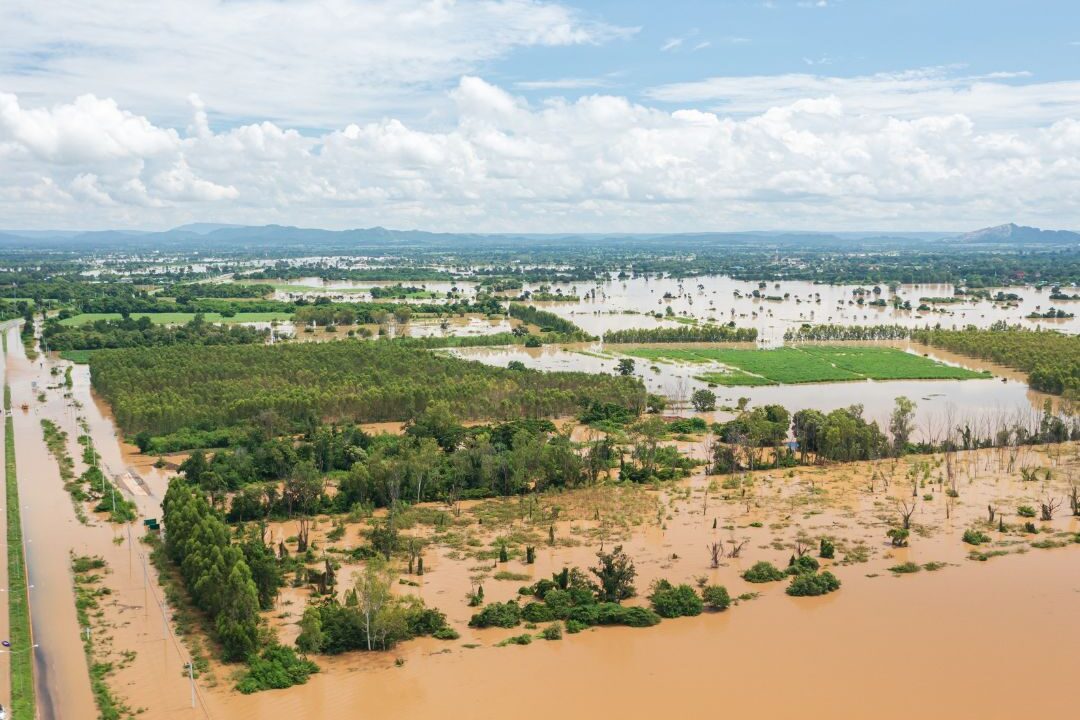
150,663
990,639
1006,394
987,639
971,642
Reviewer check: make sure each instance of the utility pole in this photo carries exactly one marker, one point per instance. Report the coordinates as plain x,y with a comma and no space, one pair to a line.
191,679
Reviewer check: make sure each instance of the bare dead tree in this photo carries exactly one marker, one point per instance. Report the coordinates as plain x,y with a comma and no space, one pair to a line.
906,510
991,512
302,534
1049,506
736,548
716,551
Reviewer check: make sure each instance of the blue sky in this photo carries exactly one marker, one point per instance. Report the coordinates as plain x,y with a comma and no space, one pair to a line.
540,115
841,37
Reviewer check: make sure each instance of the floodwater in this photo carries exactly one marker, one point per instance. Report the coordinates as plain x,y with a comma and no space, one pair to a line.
976,400
968,640
940,639
153,677
631,303
716,298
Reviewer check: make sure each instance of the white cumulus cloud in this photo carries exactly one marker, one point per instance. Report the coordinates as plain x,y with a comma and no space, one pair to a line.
602,162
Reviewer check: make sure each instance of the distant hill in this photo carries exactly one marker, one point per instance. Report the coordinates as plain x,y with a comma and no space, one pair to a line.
276,239
1013,234
204,228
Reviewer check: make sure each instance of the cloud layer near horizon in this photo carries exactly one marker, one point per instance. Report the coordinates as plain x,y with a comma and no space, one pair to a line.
829,159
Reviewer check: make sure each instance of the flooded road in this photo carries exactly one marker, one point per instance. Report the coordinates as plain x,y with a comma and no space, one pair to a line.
49,525
134,630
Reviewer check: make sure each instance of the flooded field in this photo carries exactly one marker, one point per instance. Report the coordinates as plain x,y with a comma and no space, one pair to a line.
769,654
1005,393
617,304
872,635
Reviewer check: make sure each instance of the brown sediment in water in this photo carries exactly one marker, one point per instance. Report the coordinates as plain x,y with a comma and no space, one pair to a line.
775,656
153,679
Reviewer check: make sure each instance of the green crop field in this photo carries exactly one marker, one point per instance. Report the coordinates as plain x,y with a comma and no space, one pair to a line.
734,378
807,364
882,363
180,318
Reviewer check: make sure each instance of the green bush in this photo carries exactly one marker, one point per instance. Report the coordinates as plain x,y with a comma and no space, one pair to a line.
446,633
807,584
1025,511
552,632
504,615
975,537
716,597
276,667
903,568
802,564
670,601
763,572
537,612
827,549
612,614
524,639
559,602
575,626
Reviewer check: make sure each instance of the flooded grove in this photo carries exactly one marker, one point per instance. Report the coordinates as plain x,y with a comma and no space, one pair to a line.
617,304
968,639
1005,395
940,637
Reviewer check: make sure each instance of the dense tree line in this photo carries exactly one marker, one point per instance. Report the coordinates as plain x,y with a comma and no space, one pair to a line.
402,271
322,312
681,334
162,390
189,292
546,321
1051,359
128,332
217,573
846,332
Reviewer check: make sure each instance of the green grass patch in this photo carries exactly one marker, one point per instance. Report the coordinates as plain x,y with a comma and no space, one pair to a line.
81,357
807,364
884,363
20,657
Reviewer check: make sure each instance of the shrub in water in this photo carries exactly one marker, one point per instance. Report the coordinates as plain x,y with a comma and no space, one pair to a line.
552,632
802,564
807,584
672,601
763,572
276,667
716,597
828,550
537,612
975,537
445,633
504,615
573,626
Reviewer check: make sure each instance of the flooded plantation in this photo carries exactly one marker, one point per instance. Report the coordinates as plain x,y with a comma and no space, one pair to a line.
871,566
